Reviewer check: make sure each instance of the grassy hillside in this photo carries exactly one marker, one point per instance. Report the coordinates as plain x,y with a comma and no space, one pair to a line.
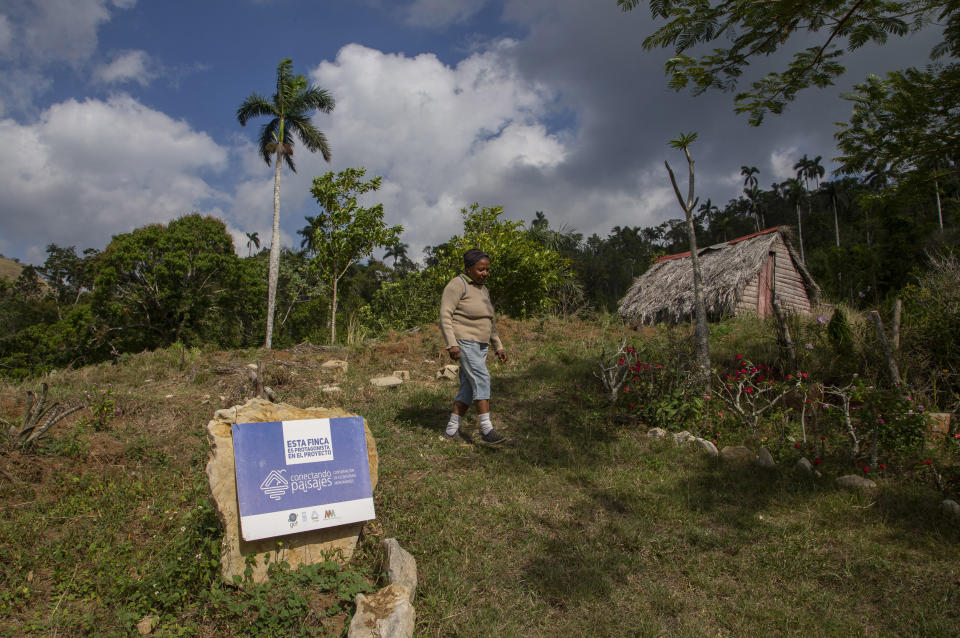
9,269
578,525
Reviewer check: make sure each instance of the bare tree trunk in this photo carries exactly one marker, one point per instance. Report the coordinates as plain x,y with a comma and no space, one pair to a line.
836,221
800,234
274,272
785,335
892,368
333,315
701,330
936,186
895,324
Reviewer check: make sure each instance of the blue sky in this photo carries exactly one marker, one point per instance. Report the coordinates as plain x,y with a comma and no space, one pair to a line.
119,113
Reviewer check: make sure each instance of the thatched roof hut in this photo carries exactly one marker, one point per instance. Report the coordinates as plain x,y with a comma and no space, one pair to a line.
739,276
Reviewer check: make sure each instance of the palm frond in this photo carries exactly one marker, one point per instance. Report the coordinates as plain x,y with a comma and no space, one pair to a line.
312,137
268,140
315,98
254,105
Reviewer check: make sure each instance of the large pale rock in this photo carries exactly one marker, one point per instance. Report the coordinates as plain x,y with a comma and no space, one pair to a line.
804,465
765,459
737,454
385,614
950,507
449,371
855,482
389,381
335,365
296,549
400,565
657,433
707,446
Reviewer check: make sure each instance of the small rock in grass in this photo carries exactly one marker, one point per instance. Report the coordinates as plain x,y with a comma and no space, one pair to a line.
168,396
386,382
737,454
950,507
854,482
335,365
449,371
682,437
147,624
330,389
804,465
402,374
765,459
656,433
706,446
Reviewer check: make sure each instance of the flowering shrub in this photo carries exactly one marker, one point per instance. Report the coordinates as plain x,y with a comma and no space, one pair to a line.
751,390
875,418
660,395
102,405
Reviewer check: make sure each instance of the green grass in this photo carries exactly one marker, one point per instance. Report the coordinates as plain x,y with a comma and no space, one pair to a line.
576,526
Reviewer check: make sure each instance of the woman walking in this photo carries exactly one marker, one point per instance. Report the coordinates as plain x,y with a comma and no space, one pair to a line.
468,328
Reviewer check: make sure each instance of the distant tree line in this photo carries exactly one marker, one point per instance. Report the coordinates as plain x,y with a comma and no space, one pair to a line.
183,282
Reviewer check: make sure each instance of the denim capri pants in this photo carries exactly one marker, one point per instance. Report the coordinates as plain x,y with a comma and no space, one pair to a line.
474,377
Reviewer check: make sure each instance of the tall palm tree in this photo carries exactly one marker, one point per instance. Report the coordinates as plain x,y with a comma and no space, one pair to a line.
750,182
397,251
289,109
793,189
253,239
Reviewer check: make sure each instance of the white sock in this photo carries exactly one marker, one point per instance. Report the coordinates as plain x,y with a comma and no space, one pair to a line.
453,425
485,424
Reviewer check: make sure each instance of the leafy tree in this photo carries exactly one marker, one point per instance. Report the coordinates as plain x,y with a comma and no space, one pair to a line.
289,110
904,126
751,30
702,333
160,284
345,232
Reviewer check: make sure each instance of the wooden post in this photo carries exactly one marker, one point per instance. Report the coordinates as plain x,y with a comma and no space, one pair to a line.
895,324
787,341
885,346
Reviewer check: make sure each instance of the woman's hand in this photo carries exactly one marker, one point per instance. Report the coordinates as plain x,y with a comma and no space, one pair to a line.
502,355
454,353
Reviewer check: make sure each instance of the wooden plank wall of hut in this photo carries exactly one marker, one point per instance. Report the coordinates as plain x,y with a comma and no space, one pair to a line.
788,284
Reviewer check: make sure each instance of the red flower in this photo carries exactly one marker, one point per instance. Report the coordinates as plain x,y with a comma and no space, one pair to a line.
796,445
789,376
817,461
621,361
882,466
823,438
739,357
866,469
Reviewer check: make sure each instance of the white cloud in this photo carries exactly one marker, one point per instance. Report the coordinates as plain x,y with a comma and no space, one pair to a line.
88,169
440,13
65,29
127,66
782,161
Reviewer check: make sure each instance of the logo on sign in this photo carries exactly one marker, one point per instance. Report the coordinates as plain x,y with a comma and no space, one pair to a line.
329,514
275,485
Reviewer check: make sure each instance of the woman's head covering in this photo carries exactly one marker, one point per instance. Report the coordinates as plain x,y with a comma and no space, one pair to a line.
472,256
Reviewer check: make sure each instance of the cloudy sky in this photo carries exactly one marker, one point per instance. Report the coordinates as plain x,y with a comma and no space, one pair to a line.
119,113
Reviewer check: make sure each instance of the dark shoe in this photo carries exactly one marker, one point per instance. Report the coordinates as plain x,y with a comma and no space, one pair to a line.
456,437
492,437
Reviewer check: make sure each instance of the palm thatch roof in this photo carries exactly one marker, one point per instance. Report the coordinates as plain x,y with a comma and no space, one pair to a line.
665,292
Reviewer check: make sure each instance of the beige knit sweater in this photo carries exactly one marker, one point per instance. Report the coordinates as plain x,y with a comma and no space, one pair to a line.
466,312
